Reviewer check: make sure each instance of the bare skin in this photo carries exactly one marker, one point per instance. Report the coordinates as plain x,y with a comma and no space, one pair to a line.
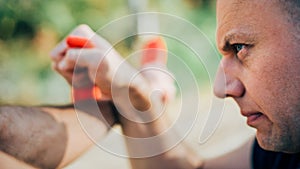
47,137
111,73
30,137
261,66
256,70
53,131
260,74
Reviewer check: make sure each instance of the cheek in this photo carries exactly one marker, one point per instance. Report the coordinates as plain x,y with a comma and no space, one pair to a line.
270,84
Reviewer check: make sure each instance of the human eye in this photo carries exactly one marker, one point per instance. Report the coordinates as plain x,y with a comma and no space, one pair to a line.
240,50
237,48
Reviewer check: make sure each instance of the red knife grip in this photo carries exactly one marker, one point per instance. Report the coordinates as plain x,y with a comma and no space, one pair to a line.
79,42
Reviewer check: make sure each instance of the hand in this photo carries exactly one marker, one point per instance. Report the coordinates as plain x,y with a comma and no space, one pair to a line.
58,54
108,70
153,61
95,60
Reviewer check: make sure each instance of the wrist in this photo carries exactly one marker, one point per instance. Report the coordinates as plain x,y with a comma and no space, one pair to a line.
85,93
138,105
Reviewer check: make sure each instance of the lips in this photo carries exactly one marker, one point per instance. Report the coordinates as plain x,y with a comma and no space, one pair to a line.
252,117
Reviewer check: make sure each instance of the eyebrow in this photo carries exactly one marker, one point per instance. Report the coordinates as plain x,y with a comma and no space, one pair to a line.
237,37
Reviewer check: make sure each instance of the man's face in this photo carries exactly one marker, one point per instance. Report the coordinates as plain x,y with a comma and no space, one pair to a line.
260,69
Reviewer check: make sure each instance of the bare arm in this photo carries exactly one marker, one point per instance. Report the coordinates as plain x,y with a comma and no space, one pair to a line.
7,162
181,156
51,137
140,114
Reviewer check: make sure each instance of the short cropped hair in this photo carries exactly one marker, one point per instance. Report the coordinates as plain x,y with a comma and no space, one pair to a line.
292,9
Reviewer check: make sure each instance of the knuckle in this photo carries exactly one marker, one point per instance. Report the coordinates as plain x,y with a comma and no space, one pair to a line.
83,27
83,30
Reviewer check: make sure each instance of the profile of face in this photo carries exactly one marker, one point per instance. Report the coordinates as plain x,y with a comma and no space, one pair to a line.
260,69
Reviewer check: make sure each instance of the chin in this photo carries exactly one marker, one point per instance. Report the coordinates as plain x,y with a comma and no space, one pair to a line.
278,144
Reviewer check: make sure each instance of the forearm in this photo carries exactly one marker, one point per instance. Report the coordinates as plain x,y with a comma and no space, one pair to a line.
32,135
87,124
8,162
152,144
48,137
156,147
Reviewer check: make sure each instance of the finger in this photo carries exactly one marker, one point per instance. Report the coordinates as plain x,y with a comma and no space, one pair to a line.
54,66
78,42
154,52
86,32
83,58
68,62
154,60
59,51
153,64
162,80
66,74
83,30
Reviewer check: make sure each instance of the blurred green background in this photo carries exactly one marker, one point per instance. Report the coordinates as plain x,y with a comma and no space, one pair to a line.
29,29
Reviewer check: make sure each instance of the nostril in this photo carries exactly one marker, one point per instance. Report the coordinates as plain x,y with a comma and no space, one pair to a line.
229,95
241,95
234,88
227,82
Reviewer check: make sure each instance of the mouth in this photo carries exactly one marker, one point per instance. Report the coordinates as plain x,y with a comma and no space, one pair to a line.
253,118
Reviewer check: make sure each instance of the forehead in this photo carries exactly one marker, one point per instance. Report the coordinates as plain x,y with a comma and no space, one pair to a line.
241,8
247,16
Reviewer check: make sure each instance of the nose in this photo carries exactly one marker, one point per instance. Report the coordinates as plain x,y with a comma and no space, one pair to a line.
227,83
